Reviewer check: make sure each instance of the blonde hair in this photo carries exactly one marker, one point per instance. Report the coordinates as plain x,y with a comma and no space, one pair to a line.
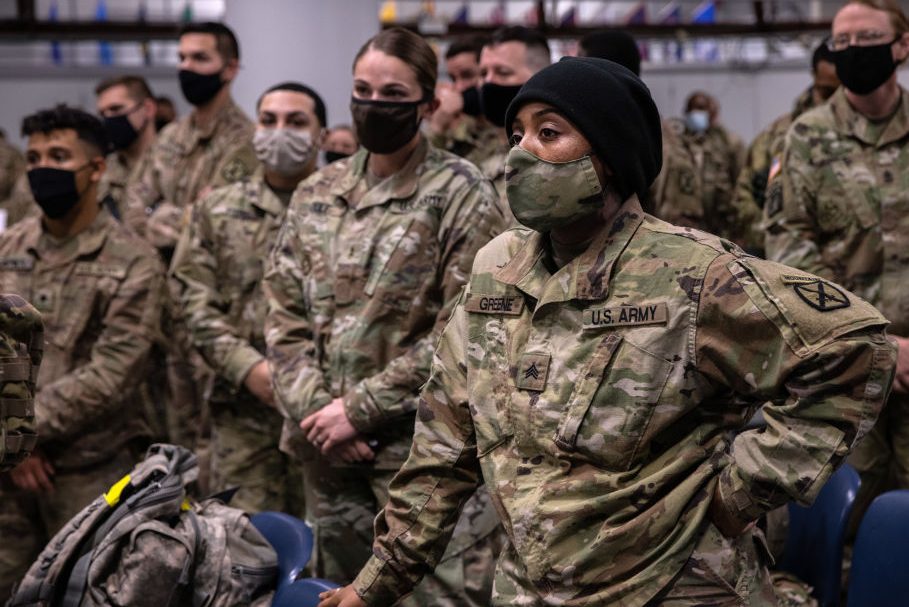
898,18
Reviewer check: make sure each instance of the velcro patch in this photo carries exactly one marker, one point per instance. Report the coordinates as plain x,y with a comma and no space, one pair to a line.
822,296
97,269
625,316
532,372
17,264
793,279
511,305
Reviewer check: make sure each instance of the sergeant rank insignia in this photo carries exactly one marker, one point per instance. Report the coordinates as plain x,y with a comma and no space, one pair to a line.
817,293
532,372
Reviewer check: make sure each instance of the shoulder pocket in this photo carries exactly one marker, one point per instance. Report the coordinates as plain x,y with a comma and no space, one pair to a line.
612,403
809,311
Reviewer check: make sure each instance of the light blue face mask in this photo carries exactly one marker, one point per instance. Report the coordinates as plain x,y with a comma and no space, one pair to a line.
697,121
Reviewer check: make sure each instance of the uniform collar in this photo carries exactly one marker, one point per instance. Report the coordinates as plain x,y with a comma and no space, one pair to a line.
87,242
263,197
400,186
226,117
587,276
850,122
803,103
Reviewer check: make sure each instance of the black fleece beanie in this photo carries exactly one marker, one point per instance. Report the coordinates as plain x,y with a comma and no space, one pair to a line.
611,107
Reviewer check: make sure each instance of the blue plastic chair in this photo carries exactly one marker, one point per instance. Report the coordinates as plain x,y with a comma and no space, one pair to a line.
302,593
814,545
292,540
880,558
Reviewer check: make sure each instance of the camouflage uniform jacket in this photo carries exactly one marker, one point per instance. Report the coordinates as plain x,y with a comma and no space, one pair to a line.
482,144
596,403
20,204
766,148
99,293
840,207
694,188
118,178
183,162
221,267
362,280
12,166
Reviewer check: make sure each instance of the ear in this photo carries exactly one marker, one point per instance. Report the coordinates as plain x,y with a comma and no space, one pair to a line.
100,165
901,48
323,136
431,107
150,107
231,69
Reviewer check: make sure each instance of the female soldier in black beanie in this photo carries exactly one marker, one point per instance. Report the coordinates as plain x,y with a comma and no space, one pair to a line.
595,367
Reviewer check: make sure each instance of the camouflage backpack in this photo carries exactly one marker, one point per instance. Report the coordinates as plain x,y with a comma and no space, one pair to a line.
21,346
144,543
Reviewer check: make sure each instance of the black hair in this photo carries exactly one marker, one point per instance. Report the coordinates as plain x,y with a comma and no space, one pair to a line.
88,128
821,53
614,45
225,39
298,87
538,51
466,44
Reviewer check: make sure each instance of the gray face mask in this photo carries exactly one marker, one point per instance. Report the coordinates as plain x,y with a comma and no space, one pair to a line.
284,151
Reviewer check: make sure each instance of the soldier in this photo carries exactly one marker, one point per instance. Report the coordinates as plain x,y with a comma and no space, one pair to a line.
231,233
458,126
127,107
767,147
840,206
700,166
594,367
165,112
371,256
12,168
210,147
98,287
340,142
21,347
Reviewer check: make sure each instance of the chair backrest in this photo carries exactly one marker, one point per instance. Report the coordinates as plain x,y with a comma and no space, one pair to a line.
880,558
814,545
302,593
292,540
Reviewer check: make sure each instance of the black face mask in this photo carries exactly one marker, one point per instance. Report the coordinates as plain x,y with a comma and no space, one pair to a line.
495,99
333,156
55,190
472,106
384,127
120,131
198,88
862,69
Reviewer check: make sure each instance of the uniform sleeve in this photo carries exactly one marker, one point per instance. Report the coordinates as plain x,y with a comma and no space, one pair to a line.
814,353
791,226
748,194
427,493
471,222
299,385
144,192
87,395
203,306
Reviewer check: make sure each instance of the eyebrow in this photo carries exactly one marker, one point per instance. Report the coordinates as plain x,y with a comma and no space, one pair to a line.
545,111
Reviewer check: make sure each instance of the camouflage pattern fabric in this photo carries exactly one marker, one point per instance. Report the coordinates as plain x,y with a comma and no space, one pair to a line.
597,404
840,209
100,295
695,186
359,284
20,204
182,163
119,176
21,349
220,266
12,167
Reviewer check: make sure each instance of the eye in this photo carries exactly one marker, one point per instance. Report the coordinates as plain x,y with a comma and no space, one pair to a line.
361,90
548,133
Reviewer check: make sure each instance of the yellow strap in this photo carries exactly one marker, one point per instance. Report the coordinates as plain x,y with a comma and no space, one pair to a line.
112,497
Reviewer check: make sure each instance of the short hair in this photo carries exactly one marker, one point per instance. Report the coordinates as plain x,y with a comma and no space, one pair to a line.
821,53
136,87
410,48
466,44
88,128
538,53
225,39
898,18
614,45
298,87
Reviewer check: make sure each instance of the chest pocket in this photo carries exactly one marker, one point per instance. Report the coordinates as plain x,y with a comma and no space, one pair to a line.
403,261
847,196
81,306
612,403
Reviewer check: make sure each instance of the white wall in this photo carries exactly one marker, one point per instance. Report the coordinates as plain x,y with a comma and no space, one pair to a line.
311,41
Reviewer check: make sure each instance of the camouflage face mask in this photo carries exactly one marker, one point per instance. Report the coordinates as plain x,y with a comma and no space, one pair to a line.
545,195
